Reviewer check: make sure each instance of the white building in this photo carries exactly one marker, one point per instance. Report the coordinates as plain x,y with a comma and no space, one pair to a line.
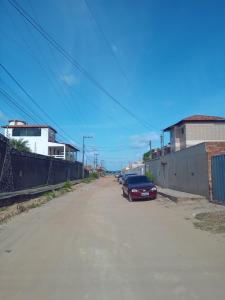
41,139
136,167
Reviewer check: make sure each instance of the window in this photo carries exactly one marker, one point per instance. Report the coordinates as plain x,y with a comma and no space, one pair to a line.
137,179
182,130
51,136
26,132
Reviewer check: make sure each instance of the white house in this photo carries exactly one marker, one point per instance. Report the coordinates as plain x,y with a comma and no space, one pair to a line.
41,139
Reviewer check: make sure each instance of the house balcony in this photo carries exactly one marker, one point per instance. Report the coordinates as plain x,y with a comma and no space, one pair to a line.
62,151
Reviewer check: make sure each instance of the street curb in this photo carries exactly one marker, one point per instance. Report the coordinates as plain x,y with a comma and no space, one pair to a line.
177,199
173,198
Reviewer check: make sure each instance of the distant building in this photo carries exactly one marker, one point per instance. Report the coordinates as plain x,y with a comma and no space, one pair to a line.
41,139
194,130
136,167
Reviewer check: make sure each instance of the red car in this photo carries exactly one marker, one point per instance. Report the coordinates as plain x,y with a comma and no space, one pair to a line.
139,187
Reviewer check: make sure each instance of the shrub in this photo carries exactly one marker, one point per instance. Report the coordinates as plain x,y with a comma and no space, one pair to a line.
67,185
94,175
150,176
50,195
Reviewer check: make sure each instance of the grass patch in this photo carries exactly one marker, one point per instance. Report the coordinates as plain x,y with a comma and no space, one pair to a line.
50,195
92,176
3,208
87,180
67,186
213,222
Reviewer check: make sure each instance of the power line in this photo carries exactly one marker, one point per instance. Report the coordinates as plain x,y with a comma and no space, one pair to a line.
47,69
73,61
106,40
110,48
32,100
69,106
13,101
52,82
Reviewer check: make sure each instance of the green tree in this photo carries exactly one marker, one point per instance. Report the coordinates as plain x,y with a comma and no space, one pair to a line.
19,145
146,156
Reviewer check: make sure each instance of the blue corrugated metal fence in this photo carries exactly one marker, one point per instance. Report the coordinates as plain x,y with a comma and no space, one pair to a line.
218,178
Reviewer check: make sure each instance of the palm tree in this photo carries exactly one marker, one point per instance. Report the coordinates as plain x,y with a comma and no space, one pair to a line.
19,145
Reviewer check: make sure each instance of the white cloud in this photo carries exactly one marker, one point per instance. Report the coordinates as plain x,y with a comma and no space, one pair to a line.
115,49
3,117
139,141
70,79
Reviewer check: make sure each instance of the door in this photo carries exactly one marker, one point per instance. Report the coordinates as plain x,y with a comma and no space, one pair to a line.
218,178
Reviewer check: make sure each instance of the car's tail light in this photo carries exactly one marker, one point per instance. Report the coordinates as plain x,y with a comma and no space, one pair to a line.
134,190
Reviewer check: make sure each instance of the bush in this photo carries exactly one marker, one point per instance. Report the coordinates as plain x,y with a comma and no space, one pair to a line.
50,195
67,186
150,176
94,175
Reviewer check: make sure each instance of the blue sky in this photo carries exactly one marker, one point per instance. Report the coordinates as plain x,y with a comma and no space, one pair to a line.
163,60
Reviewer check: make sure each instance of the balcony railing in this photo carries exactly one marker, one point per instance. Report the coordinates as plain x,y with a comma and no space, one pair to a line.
68,157
58,156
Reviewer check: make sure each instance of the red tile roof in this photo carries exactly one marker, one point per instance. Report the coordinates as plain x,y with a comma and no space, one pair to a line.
196,119
203,118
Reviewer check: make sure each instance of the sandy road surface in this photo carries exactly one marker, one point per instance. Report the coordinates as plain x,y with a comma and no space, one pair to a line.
94,244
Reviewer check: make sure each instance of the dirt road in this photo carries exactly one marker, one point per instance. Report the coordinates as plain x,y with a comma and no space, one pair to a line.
94,244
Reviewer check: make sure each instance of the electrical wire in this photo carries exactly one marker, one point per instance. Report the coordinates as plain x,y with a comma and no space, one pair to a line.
32,99
73,61
106,41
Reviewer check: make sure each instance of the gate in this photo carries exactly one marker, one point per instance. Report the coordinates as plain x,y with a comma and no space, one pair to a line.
218,178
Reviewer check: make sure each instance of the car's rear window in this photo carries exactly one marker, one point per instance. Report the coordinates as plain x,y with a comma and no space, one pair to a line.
137,179
130,174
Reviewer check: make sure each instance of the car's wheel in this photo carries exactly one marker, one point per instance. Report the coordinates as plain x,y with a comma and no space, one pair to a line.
130,198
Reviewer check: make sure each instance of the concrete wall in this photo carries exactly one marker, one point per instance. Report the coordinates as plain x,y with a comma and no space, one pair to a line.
204,132
191,134
185,170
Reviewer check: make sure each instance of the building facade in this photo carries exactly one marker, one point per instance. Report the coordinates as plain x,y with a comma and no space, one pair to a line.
41,139
194,130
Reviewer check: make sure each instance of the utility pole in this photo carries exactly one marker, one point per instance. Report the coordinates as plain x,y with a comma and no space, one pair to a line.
83,150
162,143
102,163
96,160
150,149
